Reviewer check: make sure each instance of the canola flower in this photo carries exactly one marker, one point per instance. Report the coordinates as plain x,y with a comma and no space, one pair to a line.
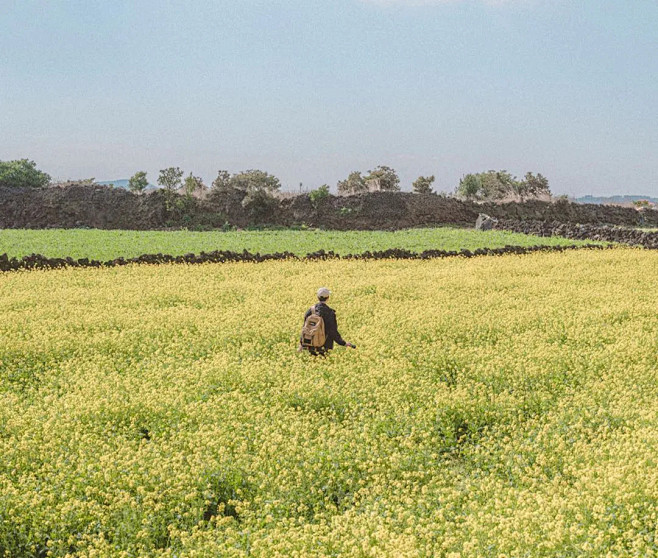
497,406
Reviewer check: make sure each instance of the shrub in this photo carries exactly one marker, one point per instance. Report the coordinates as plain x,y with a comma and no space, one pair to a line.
138,182
353,184
317,196
260,205
170,180
22,173
254,179
193,184
383,178
423,185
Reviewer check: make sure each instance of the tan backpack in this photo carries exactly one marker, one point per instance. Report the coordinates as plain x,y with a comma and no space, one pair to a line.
313,335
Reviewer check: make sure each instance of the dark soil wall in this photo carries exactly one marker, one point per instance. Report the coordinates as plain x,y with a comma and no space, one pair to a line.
104,208
380,210
99,207
394,210
79,206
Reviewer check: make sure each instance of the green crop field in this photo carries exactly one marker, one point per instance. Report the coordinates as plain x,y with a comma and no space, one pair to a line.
105,245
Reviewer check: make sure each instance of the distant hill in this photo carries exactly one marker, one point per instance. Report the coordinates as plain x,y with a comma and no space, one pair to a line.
123,183
619,200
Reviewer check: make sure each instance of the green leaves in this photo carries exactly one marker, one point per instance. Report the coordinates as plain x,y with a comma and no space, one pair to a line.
22,173
138,182
495,185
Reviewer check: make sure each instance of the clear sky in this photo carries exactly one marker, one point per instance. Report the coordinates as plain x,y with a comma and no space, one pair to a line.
311,90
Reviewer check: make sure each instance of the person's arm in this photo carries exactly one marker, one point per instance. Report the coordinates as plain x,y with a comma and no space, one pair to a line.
331,329
339,339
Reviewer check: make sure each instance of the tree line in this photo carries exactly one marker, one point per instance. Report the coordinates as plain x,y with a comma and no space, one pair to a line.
495,185
259,186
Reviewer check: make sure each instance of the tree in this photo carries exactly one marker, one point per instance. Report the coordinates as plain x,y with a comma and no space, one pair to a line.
22,173
423,185
530,187
489,185
385,177
258,187
497,184
222,182
255,179
260,204
193,184
138,182
170,179
536,185
353,184
470,187
317,196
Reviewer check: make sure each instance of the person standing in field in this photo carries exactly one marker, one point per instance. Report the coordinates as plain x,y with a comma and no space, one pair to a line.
320,330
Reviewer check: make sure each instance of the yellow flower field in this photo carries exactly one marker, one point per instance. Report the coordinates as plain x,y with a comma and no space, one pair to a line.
495,406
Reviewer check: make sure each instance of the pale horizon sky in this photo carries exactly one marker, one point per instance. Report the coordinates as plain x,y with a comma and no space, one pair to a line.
310,91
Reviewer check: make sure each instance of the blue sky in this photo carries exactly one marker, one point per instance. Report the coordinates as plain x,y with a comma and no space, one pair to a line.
310,91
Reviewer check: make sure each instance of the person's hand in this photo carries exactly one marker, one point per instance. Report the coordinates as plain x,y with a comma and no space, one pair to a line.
351,345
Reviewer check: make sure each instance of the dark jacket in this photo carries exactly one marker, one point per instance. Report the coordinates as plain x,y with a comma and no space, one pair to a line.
330,326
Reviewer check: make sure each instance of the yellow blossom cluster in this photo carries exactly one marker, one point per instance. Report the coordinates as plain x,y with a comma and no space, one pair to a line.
495,406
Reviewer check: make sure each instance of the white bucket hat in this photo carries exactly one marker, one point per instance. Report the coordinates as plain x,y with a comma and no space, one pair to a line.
323,292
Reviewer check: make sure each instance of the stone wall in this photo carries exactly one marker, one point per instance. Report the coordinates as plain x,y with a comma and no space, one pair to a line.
632,237
37,261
